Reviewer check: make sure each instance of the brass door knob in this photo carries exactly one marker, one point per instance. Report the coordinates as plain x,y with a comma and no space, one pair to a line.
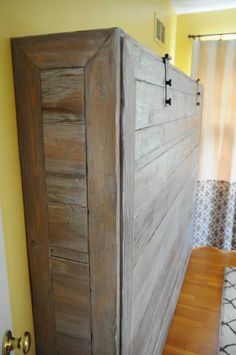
11,343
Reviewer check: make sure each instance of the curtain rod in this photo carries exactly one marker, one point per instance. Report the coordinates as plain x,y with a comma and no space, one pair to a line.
212,34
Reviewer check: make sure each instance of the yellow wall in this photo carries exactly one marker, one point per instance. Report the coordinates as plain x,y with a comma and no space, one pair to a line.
30,17
202,23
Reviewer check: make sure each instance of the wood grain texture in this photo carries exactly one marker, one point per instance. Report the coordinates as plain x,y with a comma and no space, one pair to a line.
155,209
65,342
195,326
66,189
30,133
103,137
72,303
151,112
161,168
68,229
64,135
160,183
110,183
63,95
152,138
148,67
63,50
127,195
49,81
153,281
154,154
64,148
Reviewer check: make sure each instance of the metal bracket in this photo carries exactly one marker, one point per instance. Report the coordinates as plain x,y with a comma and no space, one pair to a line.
198,93
168,82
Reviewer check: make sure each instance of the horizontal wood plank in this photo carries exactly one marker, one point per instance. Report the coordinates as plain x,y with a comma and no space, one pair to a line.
68,229
170,295
156,153
150,68
149,139
66,189
146,181
150,108
151,295
69,254
63,95
72,309
76,346
154,210
64,147
165,169
160,240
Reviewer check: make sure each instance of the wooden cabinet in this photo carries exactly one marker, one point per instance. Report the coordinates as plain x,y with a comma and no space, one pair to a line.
108,175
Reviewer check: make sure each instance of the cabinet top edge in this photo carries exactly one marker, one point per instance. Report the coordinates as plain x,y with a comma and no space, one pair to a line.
69,34
100,34
62,50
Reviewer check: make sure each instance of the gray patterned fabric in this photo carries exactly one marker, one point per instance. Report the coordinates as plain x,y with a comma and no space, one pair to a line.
215,215
227,342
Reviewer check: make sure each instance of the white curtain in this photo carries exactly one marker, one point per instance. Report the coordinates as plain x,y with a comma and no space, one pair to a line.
214,62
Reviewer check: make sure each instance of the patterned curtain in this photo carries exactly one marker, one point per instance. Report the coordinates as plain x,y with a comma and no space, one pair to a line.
214,62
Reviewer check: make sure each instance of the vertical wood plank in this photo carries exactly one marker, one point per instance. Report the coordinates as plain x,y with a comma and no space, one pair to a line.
103,159
30,132
127,196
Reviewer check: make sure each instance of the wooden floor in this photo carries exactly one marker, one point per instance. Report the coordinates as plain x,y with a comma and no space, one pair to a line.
195,325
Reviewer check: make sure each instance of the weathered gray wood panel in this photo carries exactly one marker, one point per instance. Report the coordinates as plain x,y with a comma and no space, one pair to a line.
155,209
67,189
65,342
68,228
103,151
63,50
149,68
147,180
30,132
154,137
63,111
64,148
162,246
157,247
63,95
72,309
150,104
64,137
127,196
110,189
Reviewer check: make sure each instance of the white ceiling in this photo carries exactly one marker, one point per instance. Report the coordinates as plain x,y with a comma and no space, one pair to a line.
191,6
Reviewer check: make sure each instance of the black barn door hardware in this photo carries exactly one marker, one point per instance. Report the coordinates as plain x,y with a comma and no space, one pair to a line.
198,92
168,82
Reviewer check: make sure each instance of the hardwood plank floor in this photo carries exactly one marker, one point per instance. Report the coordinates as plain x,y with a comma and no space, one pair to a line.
195,325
